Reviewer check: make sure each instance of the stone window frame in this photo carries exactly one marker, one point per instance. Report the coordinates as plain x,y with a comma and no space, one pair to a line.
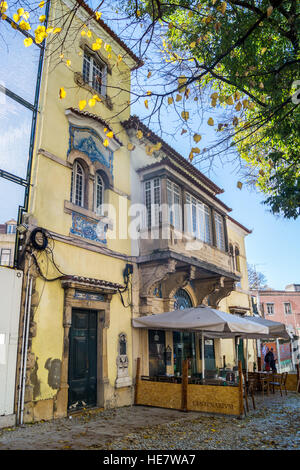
78,76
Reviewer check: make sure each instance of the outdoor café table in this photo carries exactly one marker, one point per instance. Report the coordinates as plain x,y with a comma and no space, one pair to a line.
263,378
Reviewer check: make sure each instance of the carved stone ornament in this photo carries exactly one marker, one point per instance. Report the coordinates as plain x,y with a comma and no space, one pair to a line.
123,379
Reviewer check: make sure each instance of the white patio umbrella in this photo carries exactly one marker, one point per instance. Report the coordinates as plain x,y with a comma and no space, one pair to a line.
201,319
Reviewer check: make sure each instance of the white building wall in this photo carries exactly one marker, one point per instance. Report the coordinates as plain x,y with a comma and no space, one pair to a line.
10,298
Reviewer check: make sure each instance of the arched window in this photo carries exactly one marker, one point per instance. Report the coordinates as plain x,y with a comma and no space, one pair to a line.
231,254
182,300
77,184
99,194
237,259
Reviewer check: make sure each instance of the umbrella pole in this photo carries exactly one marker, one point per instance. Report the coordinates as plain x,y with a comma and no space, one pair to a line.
247,358
202,354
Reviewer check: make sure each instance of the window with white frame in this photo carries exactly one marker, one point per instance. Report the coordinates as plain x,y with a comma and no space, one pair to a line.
199,219
99,194
152,202
287,308
270,309
5,257
94,73
220,237
174,204
77,184
11,228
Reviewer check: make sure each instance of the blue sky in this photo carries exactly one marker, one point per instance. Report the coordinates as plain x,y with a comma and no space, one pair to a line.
273,246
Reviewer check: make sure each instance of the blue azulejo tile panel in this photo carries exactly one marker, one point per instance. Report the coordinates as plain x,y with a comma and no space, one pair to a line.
86,228
86,140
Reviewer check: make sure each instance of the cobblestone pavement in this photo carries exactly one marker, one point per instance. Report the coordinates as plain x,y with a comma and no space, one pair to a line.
275,424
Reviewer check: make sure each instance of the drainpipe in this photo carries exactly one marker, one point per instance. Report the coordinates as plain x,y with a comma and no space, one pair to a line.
22,350
25,352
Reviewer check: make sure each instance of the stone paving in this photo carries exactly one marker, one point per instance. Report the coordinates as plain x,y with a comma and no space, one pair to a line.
275,424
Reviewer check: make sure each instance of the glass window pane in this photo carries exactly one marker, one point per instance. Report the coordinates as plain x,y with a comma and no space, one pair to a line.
15,129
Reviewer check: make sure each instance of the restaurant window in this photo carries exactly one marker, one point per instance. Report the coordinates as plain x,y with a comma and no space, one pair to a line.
287,308
198,219
184,347
157,344
209,353
220,237
182,300
174,204
5,256
152,202
270,309
94,73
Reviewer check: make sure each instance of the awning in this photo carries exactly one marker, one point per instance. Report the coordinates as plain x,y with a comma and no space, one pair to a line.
203,319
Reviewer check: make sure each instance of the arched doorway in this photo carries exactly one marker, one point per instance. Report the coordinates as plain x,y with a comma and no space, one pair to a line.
184,344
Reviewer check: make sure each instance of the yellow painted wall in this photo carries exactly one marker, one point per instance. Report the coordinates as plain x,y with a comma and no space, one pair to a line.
51,187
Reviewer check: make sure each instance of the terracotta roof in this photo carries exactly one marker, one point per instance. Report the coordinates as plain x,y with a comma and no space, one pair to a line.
240,225
91,12
96,118
134,122
92,282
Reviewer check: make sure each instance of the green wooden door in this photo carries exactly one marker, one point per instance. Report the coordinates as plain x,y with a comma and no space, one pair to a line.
83,359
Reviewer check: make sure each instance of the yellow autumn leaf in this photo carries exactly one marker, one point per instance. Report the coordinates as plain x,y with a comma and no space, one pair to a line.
214,96
269,11
210,122
89,34
185,115
68,62
195,150
96,46
190,14
24,25
192,45
62,93
120,58
223,7
239,184
26,15
149,92
170,100
98,15
92,102
20,11
139,134
178,97
82,104
229,100
42,18
105,143
146,104
263,50
213,103
182,80
191,156
3,7
56,30
28,42
197,138
16,17
83,33
41,4
149,74
96,97
238,106
110,134
130,146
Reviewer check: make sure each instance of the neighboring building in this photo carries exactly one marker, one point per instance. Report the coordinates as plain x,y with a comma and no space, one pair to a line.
184,255
282,306
85,277
7,242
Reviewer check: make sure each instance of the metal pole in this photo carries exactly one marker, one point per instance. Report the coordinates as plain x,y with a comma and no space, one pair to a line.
202,354
25,353
247,358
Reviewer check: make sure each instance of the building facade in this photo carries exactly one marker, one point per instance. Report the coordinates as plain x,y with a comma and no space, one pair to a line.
7,242
116,229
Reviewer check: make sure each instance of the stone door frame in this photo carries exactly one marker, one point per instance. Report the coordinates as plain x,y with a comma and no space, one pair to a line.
103,321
